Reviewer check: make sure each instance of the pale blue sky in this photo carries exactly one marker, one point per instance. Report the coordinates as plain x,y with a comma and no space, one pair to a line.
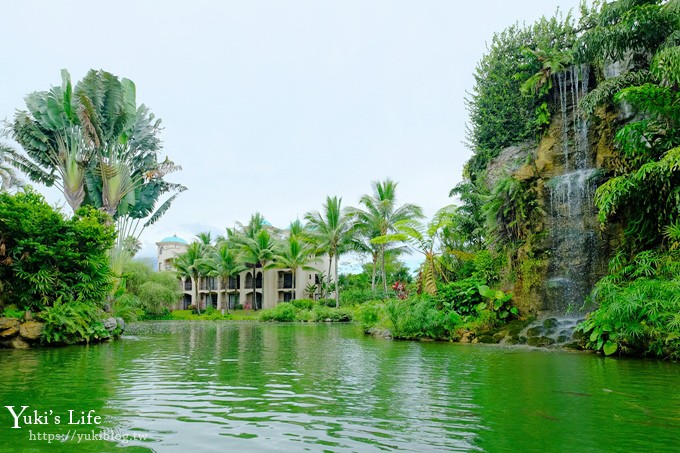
272,105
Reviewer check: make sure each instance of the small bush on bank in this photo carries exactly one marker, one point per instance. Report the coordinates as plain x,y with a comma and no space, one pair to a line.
437,317
298,311
13,312
356,296
284,312
155,291
303,304
73,322
126,306
327,302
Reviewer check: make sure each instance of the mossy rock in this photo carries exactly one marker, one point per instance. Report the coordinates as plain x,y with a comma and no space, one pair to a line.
535,331
573,345
522,339
550,323
497,338
488,339
540,342
578,335
563,338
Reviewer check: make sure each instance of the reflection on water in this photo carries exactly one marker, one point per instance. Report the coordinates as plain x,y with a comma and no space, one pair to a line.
267,387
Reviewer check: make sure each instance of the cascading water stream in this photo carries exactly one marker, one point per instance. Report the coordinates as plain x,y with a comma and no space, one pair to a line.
573,231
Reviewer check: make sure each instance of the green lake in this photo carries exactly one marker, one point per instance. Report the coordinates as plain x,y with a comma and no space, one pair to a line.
228,386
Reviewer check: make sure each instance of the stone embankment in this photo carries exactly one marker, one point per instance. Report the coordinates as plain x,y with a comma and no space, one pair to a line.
16,333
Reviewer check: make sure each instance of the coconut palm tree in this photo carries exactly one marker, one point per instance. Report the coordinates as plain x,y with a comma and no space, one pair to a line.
380,214
293,253
330,230
188,264
255,252
225,261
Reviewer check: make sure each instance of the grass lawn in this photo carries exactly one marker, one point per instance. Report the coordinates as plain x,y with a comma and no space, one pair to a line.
215,315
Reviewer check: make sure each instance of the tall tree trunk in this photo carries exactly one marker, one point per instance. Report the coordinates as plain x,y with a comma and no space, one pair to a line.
254,285
382,265
337,288
197,302
294,287
375,266
263,287
328,276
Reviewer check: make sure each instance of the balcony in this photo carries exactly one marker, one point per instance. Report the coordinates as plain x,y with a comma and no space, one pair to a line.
285,280
209,284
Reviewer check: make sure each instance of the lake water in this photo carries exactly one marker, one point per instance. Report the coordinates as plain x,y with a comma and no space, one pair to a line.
227,386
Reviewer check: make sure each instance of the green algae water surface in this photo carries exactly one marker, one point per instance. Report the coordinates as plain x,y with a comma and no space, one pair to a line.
223,386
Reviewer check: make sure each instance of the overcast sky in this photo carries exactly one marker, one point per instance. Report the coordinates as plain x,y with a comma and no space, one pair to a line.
270,106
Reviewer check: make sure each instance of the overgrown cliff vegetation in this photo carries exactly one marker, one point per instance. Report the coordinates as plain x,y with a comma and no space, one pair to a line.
631,48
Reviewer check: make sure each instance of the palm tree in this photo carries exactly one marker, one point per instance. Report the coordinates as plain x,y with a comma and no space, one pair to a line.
330,229
206,267
426,240
255,252
188,265
226,263
294,253
380,214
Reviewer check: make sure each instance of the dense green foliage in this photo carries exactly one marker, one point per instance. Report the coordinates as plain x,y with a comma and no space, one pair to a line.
73,322
502,113
461,307
308,311
154,293
45,257
639,307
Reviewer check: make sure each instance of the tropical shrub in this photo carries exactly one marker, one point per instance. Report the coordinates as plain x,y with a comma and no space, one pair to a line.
73,322
284,312
322,313
156,291
370,314
303,304
638,307
418,318
45,257
462,296
13,312
126,306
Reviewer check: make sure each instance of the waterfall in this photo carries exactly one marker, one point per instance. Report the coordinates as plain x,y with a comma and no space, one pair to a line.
574,238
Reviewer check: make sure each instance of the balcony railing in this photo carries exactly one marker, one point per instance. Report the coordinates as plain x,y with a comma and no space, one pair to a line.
285,284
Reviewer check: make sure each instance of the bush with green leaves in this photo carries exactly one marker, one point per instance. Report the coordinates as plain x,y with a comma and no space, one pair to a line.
302,311
303,304
156,291
284,312
45,257
462,296
73,322
370,314
360,295
126,306
638,307
321,313
420,318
